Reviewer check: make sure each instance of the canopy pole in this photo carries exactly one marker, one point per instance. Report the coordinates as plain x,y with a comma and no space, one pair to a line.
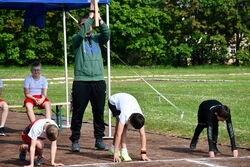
109,78
66,70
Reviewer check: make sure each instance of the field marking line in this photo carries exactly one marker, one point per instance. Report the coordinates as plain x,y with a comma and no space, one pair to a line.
203,163
145,76
152,161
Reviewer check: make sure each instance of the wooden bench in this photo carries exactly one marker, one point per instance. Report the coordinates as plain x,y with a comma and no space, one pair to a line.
58,111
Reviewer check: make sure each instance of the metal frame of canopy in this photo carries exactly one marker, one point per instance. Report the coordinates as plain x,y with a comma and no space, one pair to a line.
60,5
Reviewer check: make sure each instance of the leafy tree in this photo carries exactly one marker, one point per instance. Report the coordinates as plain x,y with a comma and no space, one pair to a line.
137,32
143,32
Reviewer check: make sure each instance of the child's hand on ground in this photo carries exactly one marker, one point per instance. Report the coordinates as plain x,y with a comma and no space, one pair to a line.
117,158
144,157
235,153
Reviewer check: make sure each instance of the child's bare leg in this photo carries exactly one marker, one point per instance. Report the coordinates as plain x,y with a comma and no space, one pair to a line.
47,107
124,137
5,108
116,126
124,152
24,147
30,112
39,148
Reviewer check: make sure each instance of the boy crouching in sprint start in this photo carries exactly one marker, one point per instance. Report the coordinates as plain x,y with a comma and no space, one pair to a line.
33,136
127,111
209,114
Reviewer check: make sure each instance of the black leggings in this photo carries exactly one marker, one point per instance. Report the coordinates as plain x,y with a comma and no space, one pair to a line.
199,128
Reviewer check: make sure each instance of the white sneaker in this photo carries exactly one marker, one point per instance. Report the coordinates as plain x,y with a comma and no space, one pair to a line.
125,157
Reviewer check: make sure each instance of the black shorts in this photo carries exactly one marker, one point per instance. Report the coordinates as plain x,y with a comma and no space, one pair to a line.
113,109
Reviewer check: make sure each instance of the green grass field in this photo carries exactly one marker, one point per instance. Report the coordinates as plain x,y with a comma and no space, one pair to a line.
228,84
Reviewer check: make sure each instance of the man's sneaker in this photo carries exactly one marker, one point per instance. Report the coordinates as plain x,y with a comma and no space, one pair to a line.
22,151
39,161
99,145
75,147
193,144
2,131
125,157
112,151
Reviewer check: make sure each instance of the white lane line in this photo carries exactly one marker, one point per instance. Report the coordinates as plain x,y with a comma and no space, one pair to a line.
204,163
144,76
154,161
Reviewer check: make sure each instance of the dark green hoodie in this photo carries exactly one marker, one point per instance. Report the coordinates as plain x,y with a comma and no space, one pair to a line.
88,56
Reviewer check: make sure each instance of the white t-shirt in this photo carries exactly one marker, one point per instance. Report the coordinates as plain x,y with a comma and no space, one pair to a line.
127,104
37,130
35,86
1,83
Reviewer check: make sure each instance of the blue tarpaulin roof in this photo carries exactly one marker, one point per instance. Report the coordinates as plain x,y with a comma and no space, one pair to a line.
48,4
36,9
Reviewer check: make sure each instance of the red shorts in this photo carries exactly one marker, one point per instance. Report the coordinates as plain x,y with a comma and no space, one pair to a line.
28,100
1,100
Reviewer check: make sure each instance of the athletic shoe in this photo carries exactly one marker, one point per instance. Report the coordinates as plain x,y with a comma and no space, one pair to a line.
2,131
22,151
99,145
216,151
39,161
193,144
75,147
125,157
112,151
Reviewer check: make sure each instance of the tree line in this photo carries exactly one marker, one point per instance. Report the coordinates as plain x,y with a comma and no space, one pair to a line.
143,32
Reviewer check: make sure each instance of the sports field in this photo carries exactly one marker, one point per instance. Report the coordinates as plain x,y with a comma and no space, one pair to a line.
185,87
164,150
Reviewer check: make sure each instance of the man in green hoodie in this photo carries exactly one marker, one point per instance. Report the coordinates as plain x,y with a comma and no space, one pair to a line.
89,83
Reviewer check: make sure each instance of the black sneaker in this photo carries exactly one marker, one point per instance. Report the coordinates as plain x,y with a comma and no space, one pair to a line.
193,144
99,145
39,161
75,147
22,152
2,131
216,151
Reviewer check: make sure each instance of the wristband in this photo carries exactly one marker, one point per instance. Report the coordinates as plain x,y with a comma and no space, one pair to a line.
143,151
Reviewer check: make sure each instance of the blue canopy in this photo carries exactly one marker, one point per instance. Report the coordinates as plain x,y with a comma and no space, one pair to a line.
36,9
48,4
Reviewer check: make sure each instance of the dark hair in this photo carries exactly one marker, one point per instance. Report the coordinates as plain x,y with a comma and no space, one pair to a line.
52,132
222,111
82,17
137,120
35,64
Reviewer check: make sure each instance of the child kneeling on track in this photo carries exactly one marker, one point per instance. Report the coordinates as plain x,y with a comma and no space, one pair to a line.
126,110
35,91
5,109
34,135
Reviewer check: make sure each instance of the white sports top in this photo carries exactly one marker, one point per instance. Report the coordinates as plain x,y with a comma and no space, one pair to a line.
37,130
35,86
127,104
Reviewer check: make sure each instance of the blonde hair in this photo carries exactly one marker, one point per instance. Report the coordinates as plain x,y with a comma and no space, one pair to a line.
52,132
